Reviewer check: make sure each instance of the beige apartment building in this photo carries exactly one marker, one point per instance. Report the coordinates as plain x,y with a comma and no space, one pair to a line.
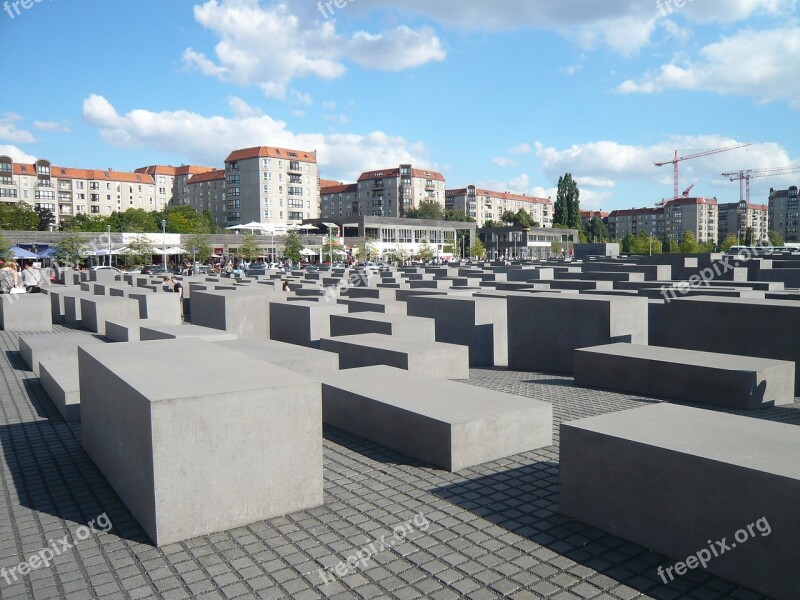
736,217
486,205
698,215
68,192
338,200
206,192
172,183
275,186
784,214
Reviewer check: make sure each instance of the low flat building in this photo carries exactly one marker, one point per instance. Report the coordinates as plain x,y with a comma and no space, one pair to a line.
518,242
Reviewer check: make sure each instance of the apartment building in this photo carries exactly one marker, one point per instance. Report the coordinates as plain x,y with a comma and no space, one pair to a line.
338,199
172,183
206,192
784,214
588,215
269,185
698,215
68,192
486,205
736,217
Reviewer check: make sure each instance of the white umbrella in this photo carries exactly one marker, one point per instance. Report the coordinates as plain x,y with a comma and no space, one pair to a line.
175,250
307,227
252,226
307,252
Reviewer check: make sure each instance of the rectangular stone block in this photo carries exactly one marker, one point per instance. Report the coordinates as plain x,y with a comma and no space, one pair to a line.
303,323
72,309
163,308
451,425
435,359
96,310
401,327
479,323
308,361
51,346
61,383
548,328
727,380
152,332
676,479
193,455
25,312
245,313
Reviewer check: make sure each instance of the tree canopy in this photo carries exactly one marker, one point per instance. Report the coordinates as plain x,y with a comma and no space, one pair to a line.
18,217
293,247
427,209
567,208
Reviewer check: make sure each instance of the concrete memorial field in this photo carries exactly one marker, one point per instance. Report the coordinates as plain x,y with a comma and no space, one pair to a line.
610,427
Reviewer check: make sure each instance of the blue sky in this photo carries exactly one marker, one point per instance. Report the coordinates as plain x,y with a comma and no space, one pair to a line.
507,94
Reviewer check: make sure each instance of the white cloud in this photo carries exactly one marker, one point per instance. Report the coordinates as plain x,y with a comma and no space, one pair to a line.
16,154
521,149
51,126
336,118
9,132
209,139
302,98
270,46
242,109
758,64
329,105
503,161
571,70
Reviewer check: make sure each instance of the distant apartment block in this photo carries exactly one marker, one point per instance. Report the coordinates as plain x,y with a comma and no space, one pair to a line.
486,205
338,199
784,214
698,215
276,186
172,183
206,192
68,192
588,215
735,218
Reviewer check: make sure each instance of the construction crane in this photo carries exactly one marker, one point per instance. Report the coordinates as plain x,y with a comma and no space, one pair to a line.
685,194
744,178
677,160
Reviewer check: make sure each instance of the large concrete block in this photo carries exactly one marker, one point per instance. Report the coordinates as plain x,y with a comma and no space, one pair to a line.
308,361
96,310
244,312
449,361
546,328
60,381
727,380
764,328
53,346
676,479
163,308
303,323
479,323
152,332
448,424
202,453
399,326
72,308
25,312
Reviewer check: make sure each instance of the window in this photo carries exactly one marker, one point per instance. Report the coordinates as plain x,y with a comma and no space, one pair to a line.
232,179
95,210
234,191
296,216
8,193
94,186
295,191
295,203
44,195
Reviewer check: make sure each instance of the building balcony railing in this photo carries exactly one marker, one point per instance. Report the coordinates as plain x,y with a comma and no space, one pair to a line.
44,183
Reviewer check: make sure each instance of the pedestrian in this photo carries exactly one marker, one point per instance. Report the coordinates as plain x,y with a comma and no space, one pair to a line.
177,287
9,278
32,280
285,285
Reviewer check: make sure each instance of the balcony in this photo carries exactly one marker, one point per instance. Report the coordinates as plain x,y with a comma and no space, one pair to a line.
44,183
378,185
294,167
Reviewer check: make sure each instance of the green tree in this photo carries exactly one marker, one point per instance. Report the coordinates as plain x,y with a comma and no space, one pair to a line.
627,244
84,222
70,249
596,230
46,218
490,224
331,244
425,250
293,248
5,247
184,219
776,239
729,241
477,250
200,247
689,243
457,215
427,209
365,250
508,217
567,208
135,220
749,237
582,238
18,217
250,248
138,251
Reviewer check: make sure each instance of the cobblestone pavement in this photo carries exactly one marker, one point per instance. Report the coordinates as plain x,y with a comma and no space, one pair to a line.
488,532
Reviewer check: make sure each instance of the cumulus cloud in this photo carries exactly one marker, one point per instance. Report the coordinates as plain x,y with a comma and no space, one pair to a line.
503,161
758,64
10,132
16,154
271,46
521,149
208,139
54,126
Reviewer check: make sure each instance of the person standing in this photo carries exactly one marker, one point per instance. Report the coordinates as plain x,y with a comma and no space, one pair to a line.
177,287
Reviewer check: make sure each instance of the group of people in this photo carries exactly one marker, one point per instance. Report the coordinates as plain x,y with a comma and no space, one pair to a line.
16,281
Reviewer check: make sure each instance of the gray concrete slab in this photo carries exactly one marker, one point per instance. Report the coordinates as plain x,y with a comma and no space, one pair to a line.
152,332
52,346
401,327
302,322
96,310
25,312
61,383
244,312
300,359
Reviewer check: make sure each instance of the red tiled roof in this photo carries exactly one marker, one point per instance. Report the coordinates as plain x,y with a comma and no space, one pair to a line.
270,152
389,173
591,214
328,183
215,175
689,201
635,212
88,174
338,189
500,195
173,171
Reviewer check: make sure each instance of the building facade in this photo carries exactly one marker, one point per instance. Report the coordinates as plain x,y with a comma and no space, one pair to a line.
735,218
588,215
206,192
634,220
68,192
486,205
339,200
784,214
536,242
275,186
172,183
698,215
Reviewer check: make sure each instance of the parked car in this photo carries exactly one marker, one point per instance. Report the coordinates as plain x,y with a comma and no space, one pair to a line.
105,268
154,270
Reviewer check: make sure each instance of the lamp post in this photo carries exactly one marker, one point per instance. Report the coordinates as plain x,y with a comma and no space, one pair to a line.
164,241
108,228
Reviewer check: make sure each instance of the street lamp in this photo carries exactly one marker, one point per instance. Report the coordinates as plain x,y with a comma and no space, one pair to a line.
164,241
108,227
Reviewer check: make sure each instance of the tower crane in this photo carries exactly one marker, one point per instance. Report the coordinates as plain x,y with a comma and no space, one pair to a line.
677,160
744,178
